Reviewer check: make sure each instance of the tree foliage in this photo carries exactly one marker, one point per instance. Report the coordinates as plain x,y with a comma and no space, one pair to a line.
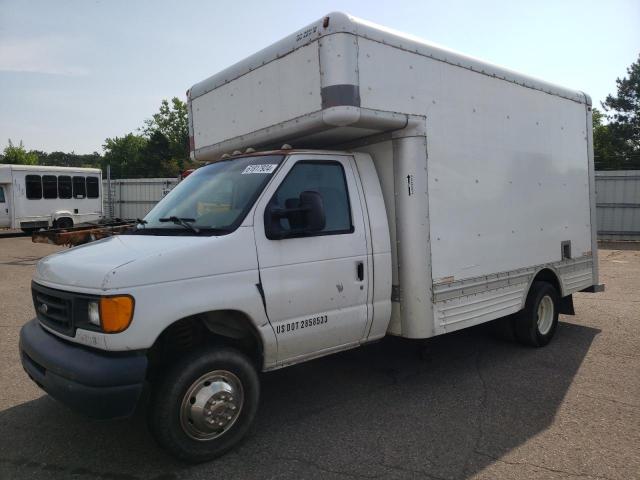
604,144
617,143
160,150
64,159
124,154
172,122
18,155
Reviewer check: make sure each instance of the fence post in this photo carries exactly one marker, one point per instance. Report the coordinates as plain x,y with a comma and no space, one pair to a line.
109,193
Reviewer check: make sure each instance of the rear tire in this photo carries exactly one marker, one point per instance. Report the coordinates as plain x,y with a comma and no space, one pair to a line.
204,404
64,222
536,324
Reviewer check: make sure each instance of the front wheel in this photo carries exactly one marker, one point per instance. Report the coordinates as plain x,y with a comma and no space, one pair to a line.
536,324
205,404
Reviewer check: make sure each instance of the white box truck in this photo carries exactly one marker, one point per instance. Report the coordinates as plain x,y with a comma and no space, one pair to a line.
36,196
427,192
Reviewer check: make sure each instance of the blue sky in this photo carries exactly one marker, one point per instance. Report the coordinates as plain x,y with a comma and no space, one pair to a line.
73,73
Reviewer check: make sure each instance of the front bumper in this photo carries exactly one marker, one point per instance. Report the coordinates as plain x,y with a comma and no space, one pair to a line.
99,384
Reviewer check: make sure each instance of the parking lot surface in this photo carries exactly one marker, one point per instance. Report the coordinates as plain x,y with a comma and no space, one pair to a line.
461,406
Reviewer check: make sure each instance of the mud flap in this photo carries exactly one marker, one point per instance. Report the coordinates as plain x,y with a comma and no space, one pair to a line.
566,305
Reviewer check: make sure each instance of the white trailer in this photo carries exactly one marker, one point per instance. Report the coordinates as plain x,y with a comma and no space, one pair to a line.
427,192
36,196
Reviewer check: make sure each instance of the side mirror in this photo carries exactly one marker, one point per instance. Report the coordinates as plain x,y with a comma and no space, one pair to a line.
304,214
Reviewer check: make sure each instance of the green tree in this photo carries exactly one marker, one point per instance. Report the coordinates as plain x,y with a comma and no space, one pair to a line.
172,122
63,159
125,155
18,155
157,157
604,149
622,141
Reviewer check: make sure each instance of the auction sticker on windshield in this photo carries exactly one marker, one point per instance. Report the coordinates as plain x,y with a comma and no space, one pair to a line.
266,168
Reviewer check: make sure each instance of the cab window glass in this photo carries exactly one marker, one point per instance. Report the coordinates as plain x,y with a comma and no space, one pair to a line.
79,189
33,187
326,178
93,190
49,186
2,195
64,186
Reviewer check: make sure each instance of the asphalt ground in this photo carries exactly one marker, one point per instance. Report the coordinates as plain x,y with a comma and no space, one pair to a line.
465,405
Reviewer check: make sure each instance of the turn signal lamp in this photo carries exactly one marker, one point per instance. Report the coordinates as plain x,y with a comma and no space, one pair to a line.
116,313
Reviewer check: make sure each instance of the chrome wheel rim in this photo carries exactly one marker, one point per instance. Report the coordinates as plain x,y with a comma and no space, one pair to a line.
211,405
545,315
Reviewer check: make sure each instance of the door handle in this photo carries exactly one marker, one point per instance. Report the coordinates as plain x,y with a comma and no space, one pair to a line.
360,271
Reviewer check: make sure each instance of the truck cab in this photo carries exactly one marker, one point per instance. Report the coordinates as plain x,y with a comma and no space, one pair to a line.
277,256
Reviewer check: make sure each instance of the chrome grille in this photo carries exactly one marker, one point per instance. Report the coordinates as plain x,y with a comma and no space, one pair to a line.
53,308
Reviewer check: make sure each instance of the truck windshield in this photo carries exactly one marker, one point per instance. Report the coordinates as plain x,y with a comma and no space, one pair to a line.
214,199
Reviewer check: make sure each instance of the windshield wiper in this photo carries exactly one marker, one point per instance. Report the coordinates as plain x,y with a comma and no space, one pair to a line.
185,222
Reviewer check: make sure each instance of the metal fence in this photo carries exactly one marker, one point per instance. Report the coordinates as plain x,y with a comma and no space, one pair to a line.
134,198
618,204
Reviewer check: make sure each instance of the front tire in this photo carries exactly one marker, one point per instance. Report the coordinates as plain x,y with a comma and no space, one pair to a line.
205,404
536,324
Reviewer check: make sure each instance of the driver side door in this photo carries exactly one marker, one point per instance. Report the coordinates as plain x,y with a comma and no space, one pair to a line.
316,284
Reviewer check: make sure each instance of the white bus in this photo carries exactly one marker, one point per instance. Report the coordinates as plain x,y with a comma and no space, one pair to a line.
35,196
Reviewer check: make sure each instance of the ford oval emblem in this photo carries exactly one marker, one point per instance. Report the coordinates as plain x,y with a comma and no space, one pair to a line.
43,308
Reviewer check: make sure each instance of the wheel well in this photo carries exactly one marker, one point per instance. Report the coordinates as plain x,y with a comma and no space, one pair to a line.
62,220
549,276
222,327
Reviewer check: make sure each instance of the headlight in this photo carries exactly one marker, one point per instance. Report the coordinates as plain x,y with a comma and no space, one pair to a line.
93,313
111,314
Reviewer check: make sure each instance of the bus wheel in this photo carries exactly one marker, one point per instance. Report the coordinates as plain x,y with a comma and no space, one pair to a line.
64,222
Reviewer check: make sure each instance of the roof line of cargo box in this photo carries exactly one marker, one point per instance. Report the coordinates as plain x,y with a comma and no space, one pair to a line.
338,22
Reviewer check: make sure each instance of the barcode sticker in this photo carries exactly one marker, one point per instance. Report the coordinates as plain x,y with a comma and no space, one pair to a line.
266,168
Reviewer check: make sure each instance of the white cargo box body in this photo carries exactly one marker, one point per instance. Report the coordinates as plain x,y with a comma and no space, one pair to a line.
487,174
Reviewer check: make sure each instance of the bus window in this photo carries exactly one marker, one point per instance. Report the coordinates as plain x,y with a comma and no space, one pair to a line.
79,188
49,186
64,186
34,187
93,189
